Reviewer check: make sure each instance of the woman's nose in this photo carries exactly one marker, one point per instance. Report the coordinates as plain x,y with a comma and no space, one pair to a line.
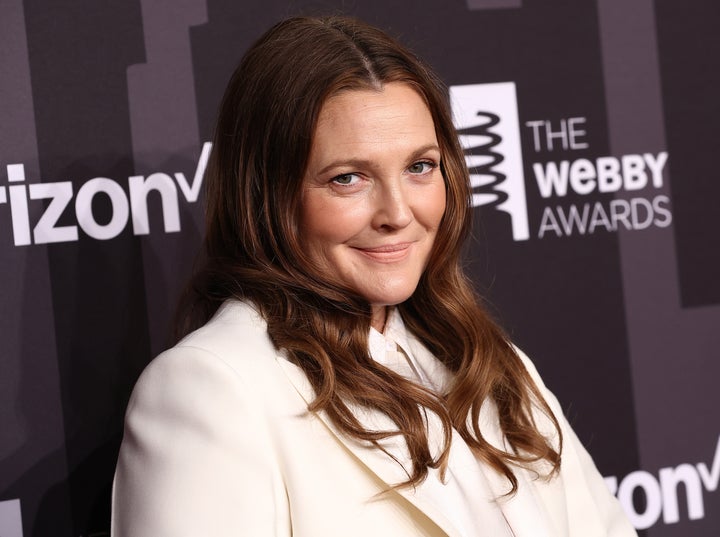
392,207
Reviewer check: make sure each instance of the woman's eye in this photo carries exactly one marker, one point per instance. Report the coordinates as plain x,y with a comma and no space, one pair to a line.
421,167
345,179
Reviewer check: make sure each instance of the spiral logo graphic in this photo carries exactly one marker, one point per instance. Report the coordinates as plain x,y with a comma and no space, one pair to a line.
486,117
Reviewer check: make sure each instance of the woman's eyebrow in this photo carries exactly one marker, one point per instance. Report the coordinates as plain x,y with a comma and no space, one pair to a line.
365,163
424,149
350,163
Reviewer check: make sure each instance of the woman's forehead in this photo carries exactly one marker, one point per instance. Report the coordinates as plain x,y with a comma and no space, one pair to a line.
363,122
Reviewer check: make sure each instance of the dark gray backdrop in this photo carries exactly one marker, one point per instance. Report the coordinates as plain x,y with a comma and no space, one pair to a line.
624,324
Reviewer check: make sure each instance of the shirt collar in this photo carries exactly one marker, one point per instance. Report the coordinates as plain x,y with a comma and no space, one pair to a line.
394,335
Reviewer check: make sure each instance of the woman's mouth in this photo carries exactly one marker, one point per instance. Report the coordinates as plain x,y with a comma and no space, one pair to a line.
387,253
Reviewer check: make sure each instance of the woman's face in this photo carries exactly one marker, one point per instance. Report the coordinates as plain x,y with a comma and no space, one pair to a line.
373,194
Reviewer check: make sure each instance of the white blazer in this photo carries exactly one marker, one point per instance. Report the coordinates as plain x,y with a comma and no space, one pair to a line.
218,441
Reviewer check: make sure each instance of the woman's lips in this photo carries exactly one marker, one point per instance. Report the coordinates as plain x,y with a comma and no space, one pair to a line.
387,253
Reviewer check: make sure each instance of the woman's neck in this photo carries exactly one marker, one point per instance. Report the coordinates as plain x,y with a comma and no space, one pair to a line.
379,317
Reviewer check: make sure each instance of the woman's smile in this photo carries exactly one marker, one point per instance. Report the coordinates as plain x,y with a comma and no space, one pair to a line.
389,253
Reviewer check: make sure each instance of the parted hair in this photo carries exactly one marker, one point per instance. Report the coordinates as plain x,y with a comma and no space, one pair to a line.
253,251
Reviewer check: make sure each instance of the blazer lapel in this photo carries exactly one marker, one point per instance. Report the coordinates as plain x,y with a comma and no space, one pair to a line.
390,471
383,466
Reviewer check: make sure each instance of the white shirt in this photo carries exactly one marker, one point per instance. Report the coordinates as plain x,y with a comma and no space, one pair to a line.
466,478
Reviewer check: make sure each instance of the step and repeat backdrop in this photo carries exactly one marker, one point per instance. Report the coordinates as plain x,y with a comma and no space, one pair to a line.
591,131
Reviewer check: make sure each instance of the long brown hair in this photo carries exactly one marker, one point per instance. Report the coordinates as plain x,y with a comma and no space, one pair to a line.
252,251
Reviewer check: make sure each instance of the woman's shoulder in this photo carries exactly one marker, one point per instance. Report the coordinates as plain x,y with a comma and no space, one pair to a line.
237,330
235,336
232,349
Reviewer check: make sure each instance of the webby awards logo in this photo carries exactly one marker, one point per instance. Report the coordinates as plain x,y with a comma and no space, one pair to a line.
486,116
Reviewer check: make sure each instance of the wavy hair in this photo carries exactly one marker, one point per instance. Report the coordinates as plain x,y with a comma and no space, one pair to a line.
253,252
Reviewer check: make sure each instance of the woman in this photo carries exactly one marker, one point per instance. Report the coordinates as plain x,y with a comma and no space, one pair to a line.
340,377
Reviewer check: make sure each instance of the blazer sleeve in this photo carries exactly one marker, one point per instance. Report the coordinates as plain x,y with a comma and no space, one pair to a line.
587,494
196,457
